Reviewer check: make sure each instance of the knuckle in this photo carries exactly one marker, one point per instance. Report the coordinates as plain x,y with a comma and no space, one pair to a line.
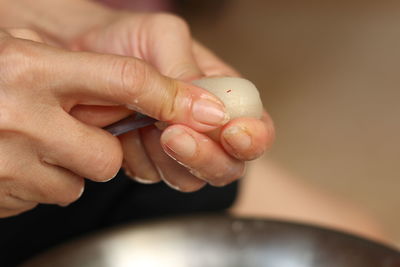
133,76
16,62
139,80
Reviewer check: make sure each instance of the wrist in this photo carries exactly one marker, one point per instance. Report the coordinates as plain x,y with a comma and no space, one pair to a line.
60,20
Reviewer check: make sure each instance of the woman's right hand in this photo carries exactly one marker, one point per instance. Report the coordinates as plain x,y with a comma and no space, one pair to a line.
44,151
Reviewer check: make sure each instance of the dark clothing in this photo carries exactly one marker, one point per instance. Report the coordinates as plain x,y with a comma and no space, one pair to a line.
102,205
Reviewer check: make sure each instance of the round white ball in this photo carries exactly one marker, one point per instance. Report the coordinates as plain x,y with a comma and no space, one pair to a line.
240,96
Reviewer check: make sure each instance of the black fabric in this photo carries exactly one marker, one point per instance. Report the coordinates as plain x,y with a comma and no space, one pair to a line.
102,205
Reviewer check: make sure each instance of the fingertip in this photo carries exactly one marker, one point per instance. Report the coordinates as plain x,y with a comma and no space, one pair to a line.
145,180
247,138
148,178
269,128
173,173
137,163
195,107
185,187
204,158
108,161
178,143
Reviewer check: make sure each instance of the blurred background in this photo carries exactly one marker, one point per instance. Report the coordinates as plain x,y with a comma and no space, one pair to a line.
329,74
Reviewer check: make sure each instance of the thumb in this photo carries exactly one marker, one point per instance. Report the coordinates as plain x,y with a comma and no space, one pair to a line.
135,84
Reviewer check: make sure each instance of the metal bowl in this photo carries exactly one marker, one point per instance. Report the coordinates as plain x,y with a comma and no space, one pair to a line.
208,241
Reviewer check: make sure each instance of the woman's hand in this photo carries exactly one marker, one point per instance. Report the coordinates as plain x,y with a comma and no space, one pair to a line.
44,150
165,41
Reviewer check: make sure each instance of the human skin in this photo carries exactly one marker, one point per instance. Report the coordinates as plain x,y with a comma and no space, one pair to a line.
174,55
166,44
45,151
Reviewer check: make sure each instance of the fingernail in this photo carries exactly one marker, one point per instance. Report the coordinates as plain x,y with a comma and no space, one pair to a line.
109,179
173,186
81,192
209,112
166,180
150,178
237,138
179,142
144,180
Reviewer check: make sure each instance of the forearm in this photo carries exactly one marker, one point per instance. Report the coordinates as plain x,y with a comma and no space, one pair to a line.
61,20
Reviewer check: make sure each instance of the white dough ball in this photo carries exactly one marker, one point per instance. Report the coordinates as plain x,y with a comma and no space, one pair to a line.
240,96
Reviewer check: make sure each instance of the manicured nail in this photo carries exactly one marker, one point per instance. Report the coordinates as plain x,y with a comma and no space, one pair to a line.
209,112
179,142
237,138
